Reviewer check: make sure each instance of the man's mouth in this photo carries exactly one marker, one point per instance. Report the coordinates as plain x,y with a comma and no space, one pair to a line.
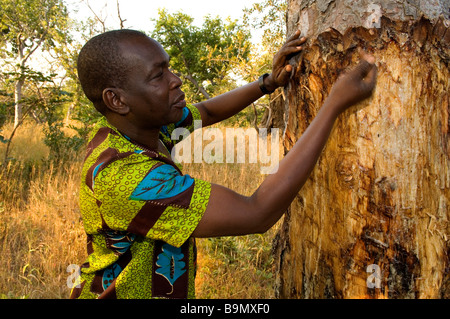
180,102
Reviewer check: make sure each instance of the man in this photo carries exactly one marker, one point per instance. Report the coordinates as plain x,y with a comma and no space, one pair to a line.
140,213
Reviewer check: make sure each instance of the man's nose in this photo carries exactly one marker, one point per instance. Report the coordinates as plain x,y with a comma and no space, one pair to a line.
175,80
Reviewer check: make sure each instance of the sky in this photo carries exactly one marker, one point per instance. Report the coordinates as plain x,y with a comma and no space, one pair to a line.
139,12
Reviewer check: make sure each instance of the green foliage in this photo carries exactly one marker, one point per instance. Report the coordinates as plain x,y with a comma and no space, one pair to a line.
3,139
270,17
204,56
85,115
28,22
29,25
60,144
4,96
26,26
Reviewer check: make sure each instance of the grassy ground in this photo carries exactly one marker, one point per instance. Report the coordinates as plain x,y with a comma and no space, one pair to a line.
41,232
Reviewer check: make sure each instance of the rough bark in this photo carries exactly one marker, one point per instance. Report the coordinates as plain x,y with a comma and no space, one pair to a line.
273,117
380,193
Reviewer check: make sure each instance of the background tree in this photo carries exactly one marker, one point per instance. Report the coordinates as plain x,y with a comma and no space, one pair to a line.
204,56
373,219
268,19
28,25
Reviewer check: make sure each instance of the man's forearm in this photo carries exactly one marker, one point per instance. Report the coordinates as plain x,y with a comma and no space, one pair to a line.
228,104
229,213
278,190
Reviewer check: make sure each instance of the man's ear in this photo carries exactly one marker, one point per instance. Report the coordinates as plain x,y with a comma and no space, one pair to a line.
113,101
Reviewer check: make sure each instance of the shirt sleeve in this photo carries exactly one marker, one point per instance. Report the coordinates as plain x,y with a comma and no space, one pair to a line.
151,199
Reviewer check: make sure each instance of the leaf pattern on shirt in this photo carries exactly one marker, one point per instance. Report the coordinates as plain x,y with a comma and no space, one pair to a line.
170,264
162,182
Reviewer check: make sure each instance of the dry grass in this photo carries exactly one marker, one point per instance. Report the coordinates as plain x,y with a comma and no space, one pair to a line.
41,232
27,143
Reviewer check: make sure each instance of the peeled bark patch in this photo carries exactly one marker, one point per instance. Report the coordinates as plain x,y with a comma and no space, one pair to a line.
380,193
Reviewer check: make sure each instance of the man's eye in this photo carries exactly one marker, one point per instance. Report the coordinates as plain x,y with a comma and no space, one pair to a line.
158,76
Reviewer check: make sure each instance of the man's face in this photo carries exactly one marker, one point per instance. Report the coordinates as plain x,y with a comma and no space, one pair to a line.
152,92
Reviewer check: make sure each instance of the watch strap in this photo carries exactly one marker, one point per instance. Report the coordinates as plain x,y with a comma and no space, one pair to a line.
261,84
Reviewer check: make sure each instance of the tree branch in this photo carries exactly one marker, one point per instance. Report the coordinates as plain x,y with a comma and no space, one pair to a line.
200,88
38,44
119,16
102,22
189,76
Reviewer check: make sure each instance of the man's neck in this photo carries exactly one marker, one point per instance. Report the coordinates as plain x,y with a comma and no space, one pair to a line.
148,138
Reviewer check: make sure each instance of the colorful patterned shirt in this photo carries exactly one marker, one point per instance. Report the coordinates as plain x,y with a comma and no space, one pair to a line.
139,212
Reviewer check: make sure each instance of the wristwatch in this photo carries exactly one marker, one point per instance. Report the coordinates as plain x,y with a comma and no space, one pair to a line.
261,84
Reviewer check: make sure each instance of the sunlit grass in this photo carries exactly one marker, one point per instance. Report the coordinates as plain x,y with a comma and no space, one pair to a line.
41,230
27,144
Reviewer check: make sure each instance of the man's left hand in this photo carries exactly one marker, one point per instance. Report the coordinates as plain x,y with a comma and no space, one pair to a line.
281,69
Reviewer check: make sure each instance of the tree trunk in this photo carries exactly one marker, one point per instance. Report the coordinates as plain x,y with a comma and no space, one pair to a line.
17,102
199,87
18,86
373,219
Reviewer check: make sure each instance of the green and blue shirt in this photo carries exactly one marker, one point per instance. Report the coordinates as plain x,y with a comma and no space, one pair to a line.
139,212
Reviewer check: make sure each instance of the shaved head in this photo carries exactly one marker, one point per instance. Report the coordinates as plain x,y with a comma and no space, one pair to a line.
102,64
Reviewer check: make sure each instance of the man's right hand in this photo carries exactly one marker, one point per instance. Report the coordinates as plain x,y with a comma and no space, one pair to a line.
354,86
